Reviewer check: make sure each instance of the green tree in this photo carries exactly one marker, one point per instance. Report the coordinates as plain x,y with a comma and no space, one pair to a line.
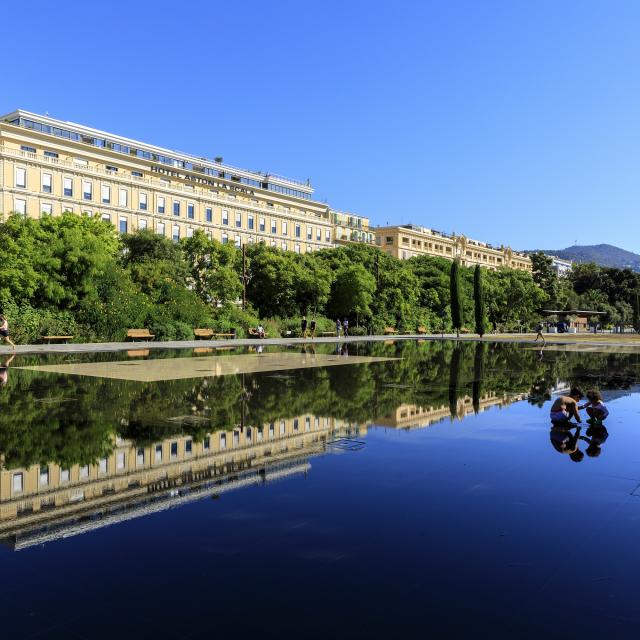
544,275
636,312
352,293
457,312
478,297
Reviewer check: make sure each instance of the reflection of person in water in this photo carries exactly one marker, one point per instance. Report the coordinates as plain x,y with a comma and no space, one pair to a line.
4,371
564,441
597,435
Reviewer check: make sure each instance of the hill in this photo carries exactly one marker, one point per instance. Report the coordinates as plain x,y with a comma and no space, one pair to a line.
605,255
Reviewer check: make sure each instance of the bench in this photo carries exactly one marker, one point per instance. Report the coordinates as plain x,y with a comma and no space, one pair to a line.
388,331
140,334
138,353
422,331
223,335
203,333
253,333
50,339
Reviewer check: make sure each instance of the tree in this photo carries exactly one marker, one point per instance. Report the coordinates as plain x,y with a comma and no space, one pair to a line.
636,312
457,313
352,293
478,297
544,275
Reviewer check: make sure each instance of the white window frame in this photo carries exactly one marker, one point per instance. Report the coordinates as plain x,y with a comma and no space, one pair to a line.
105,194
44,177
123,197
20,206
143,201
21,177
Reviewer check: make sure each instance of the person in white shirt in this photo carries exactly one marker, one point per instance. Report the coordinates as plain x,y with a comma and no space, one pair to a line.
4,331
596,408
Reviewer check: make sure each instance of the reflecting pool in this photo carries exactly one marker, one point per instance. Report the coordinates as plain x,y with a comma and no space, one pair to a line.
360,490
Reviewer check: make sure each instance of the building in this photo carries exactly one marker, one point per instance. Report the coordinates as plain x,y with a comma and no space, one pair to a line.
409,240
49,166
560,266
349,227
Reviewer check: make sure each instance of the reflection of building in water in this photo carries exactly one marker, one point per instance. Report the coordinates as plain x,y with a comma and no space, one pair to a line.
44,503
411,416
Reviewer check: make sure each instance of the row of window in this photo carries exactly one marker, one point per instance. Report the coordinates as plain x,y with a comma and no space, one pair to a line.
121,460
123,198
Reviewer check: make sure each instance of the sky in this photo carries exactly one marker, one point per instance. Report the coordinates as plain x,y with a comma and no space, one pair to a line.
508,121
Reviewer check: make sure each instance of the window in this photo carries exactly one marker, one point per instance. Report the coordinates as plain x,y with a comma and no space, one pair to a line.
46,183
123,198
209,214
261,226
271,430
296,424
274,243
158,453
46,209
225,238
188,447
142,224
64,475
282,427
123,226
250,222
297,248
191,210
284,227
106,194
67,187
120,461
176,208
103,465
136,174
105,217
160,228
21,177
20,206
27,149
174,450
273,226
44,476
223,441
160,204
206,443
318,234
297,231
50,154
142,201
236,439
18,482
309,233
225,216
84,472
237,241
140,456
87,190
175,233
238,220
284,246
108,167
307,424
327,235
190,232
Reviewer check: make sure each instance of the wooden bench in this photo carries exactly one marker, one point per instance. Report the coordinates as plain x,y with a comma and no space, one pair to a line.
388,331
253,333
224,335
140,334
422,331
202,334
50,339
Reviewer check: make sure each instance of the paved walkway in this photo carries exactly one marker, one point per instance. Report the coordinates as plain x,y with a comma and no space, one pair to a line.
601,341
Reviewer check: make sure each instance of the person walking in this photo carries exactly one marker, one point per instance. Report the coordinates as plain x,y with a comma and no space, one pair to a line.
303,326
313,327
338,327
345,327
539,335
4,331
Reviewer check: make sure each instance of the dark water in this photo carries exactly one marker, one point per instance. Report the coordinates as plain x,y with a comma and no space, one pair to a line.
420,497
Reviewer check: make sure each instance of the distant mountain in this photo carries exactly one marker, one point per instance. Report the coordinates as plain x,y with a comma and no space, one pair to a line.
605,255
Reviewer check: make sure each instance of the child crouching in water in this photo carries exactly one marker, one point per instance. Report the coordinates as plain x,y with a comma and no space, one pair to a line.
596,408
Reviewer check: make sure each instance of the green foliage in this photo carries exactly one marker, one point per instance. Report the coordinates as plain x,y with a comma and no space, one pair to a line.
352,293
478,298
455,295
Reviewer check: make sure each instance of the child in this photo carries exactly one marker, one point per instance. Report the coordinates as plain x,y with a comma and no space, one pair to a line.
596,408
4,331
566,407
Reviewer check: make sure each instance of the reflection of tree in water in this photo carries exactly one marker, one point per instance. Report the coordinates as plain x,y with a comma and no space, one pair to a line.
68,419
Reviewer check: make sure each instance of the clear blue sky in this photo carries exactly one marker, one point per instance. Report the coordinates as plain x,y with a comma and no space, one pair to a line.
509,121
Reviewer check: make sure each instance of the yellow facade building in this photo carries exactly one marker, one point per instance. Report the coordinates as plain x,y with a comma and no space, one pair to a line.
49,166
350,227
409,240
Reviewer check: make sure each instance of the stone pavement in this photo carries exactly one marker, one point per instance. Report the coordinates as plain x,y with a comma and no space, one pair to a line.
591,342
